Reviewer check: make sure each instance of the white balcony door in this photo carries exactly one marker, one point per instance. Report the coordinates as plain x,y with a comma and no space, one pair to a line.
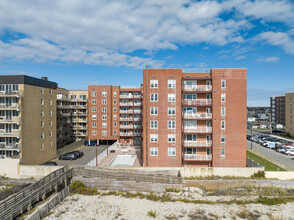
208,110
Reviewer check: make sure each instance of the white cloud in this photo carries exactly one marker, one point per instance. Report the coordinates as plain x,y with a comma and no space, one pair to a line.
241,57
269,59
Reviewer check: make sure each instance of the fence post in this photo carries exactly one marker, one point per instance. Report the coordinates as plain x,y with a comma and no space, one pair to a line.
11,216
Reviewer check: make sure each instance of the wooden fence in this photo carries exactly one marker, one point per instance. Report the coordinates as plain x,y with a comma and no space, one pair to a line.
127,175
17,203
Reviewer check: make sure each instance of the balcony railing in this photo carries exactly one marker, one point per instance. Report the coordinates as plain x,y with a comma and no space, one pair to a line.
12,120
126,134
13,133
12,106
11,93
198,88
196,157
4,146
126,119
198,116
126,96
126,111
197,144
137,96
137,134
197,102
137,104
137,111
126,104
126,126
197,129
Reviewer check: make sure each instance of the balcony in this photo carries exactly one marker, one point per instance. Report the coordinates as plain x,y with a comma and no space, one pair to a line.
137,134
6,146
203,129
126,96
196,157
137,119
11,93
13,133
198,88
126,134
63,106
126,126
137,111
126,119
126,104
138,104
62,98
137,97
198,116
126,111
12,120
197,102
10,106
197,143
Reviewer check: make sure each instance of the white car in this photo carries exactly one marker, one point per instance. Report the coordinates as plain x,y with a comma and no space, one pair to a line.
290,152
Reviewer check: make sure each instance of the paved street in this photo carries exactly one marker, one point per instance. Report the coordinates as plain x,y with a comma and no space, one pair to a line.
89,154
282,158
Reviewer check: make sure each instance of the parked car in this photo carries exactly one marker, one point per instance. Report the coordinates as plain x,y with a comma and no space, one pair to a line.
249,137
49,164
78,153
68,156
290,152
90,143
280,149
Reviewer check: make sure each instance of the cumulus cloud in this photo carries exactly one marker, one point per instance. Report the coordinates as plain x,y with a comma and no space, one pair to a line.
106,32
269,59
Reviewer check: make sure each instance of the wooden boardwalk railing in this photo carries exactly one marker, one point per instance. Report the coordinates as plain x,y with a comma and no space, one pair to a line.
127,175
17,203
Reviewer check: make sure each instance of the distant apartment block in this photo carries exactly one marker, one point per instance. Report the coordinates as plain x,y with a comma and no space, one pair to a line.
27,119
289,121
277,110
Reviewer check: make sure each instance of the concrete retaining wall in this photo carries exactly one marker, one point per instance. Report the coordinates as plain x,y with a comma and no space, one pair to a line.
36,171
280,175
9,168
44,209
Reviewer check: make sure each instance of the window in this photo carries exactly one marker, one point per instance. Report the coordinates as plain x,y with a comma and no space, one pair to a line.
153,83
94,117
42,90
94,101
94,124
223,83
42,147
50,91
223,97
104,125
171,124
42,124
114,124
42,113
171,110
104,94
50,101
104,101
42,101
114,101
153,151
171,84
50,123
104,109
114,94
94,133
153,124
51,144
153,137
171,151
42,135
114,109
50,133
223,111
50,113
171,97
223,125
93,94
104,117
171,138
94,109
104,133
153,111
153,97
223,139
114,117
223,152
114,132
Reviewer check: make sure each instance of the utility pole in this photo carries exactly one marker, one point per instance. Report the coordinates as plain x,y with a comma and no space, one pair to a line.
251,137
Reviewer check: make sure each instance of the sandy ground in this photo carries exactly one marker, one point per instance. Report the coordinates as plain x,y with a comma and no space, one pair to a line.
116,207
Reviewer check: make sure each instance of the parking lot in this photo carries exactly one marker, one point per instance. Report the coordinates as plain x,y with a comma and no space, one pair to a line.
89,154
280,157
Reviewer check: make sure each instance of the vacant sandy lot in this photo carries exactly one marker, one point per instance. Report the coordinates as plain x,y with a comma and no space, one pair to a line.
116,207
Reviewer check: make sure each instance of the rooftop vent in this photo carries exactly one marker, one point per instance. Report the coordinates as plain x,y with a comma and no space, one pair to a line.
44,78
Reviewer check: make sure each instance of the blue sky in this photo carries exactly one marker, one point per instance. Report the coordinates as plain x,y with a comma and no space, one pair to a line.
76,43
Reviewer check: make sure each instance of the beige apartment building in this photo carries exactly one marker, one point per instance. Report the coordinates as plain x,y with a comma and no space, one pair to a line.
27,119
289,113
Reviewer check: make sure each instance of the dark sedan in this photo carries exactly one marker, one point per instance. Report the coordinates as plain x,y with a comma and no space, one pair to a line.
69,156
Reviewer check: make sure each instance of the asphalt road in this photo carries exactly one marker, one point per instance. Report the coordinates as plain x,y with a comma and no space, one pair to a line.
89,154
282,158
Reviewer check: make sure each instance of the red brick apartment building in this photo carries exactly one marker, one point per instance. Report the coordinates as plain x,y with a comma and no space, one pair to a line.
277,108
188,119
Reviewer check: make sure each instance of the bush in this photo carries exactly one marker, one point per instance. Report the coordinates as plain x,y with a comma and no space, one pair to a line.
80,188
258,175
172,190
152,214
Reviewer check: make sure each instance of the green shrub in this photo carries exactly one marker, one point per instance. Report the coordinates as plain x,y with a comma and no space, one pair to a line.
80,188
258,175
172,190
272,201
152,214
